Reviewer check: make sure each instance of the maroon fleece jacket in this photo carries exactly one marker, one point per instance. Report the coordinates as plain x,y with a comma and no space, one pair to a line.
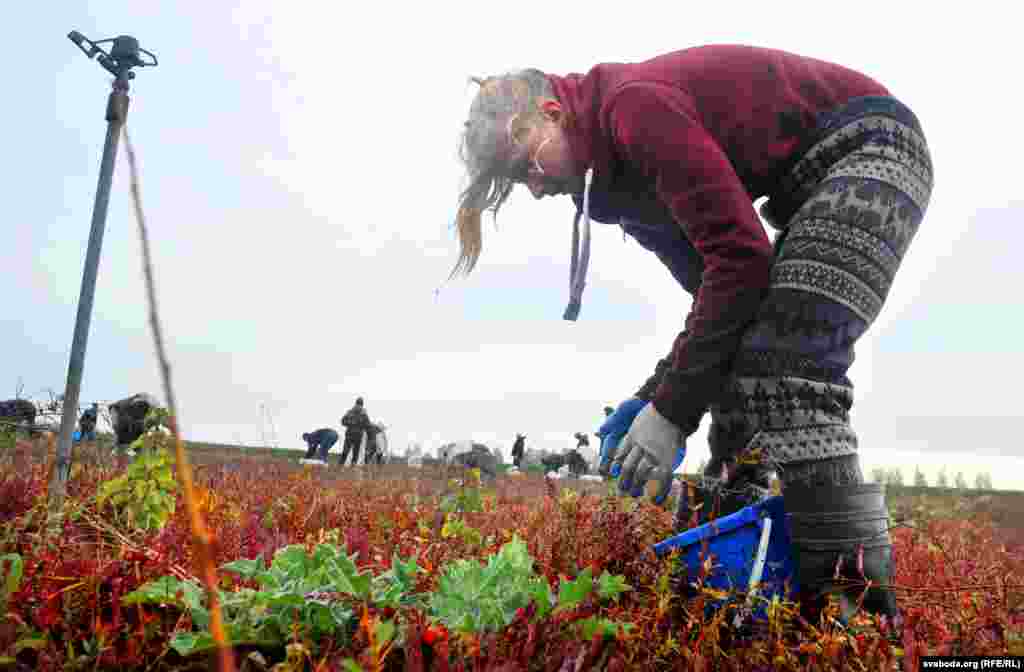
708,130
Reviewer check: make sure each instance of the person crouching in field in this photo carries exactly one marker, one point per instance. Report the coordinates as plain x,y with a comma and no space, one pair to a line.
320,443
128,417
675,150
18,412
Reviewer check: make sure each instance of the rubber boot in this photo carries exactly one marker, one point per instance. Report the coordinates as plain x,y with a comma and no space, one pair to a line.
828,527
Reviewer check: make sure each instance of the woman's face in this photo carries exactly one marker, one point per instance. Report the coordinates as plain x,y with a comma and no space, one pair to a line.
541,158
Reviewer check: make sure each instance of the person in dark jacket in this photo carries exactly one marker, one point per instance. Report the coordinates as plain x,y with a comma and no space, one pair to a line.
518,450
675,150
477,457
128,416
577,465
19,412
319,443
356,422
87,423
572,459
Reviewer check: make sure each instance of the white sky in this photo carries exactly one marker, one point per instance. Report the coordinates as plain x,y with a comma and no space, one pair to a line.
300,176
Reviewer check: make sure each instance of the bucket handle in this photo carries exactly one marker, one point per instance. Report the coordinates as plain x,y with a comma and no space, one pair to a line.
756,571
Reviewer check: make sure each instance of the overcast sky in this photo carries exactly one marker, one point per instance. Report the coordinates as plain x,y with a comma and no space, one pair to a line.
299,173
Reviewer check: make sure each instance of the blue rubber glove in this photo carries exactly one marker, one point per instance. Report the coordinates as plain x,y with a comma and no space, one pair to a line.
614,428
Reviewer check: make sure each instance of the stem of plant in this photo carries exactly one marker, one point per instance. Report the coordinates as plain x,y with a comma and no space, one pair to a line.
200,535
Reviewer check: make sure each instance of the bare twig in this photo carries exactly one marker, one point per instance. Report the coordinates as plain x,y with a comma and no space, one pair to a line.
177,571
200,535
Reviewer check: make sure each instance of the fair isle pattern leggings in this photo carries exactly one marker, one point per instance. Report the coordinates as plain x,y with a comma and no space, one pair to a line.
859,195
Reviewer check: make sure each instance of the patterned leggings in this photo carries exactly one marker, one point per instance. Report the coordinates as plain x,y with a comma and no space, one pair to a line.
851,206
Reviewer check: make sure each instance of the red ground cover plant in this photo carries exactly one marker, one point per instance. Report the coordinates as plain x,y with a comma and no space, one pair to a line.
960,581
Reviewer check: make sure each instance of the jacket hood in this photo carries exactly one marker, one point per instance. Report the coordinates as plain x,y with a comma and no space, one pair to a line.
581,96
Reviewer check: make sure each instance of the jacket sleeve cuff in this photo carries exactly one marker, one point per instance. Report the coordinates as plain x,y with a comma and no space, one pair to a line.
650,386
677,406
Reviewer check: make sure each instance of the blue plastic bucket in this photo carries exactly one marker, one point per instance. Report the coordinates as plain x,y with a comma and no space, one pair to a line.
77,436
735,544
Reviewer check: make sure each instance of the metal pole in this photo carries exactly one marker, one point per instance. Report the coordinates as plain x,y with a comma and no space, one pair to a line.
117,110
124,55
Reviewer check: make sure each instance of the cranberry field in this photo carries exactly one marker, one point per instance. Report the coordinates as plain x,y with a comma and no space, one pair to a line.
418,569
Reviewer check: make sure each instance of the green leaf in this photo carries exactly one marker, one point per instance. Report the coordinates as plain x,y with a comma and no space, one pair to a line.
388,595
191,643
327,555
357,585
154,501
351,666
393,588
34,643
470,500
404,572
164,591
384,632
319,617
343,575
448,504
283,601
572,593
200,616
516,554
187,643
595,625
109,488
245,568
471,598
291,562
610,586
342,615
542,597
12,580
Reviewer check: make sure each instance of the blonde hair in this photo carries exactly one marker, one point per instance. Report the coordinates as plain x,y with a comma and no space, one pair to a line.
504,104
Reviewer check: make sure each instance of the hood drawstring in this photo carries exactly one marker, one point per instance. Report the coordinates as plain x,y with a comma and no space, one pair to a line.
580,259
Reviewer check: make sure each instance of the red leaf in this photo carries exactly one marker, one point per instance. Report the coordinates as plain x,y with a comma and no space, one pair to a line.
441,657
413,648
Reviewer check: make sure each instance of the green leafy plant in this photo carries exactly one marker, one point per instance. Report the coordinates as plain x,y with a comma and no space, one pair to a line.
456,527
468,497
12,567
8,438
571,594
298,589
472,597
145,493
